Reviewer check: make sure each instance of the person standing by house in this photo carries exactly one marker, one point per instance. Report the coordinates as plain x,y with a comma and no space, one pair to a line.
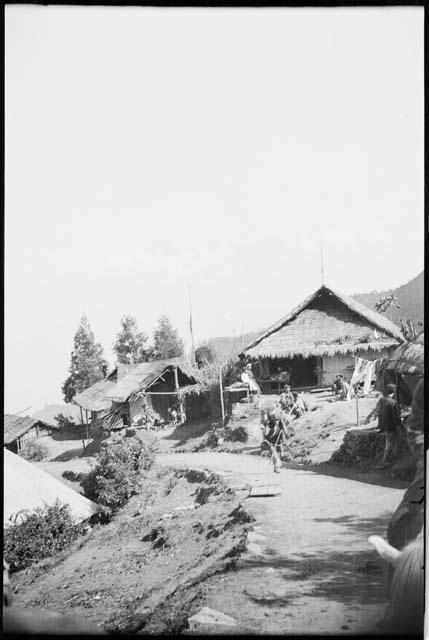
389,422
248,379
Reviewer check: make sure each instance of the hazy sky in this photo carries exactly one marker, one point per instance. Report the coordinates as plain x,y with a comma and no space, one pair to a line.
147,147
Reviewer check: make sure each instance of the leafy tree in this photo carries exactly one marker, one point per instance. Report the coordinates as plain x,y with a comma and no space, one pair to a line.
87,363
131,344
167,343
385,303
205,355
407,325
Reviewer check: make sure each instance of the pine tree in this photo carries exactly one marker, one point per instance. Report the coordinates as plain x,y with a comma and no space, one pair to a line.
167,343
131,344
87,364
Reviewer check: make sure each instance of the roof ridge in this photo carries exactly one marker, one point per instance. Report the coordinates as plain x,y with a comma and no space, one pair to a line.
373,317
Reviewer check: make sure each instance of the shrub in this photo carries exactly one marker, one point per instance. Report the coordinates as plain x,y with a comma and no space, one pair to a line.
44,532
117,474
34,450
64,422
238,434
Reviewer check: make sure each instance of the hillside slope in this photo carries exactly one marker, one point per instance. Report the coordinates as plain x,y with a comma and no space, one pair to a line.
410,299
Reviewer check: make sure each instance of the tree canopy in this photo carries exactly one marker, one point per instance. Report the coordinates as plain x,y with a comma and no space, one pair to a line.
87,364
131,344
166,340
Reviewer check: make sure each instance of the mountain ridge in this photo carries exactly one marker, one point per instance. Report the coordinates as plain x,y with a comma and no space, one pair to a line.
410,298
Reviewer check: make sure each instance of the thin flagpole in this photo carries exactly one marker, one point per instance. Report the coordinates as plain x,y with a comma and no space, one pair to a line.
190,322
321,264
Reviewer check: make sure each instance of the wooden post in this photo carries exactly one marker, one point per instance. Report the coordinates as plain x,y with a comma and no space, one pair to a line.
357,410
221,396
176,378
81,415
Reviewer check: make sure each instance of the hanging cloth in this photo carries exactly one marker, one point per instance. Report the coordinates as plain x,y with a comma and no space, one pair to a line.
369,376
358,372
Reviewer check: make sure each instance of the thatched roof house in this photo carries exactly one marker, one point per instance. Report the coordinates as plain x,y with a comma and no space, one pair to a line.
27,487
405,367
126,387
318,339
409,358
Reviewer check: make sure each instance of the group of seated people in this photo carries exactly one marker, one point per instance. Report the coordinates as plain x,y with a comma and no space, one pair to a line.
292,402
343,391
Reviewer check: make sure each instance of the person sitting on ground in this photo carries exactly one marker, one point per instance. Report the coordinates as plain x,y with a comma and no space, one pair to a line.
389,422
286,399
300,407
344,391
337,384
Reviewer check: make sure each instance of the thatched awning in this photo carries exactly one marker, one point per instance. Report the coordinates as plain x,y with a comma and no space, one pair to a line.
325,324
310,350
94,398
408,359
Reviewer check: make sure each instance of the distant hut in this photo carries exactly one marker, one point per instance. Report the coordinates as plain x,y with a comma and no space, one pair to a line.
128,389
318,340
20,429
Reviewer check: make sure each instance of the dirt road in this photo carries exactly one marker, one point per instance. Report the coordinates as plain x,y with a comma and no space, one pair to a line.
309,567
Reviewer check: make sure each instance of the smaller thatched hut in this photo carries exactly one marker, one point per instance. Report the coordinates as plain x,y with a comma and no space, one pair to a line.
128,389
20,429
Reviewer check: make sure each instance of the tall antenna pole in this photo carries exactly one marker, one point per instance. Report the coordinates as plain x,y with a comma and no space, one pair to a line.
321,264
190,322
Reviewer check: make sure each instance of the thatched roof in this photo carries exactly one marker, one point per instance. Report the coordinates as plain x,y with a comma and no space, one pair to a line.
26,487
141,376
409,357
326,323
125,380
15,426
94,398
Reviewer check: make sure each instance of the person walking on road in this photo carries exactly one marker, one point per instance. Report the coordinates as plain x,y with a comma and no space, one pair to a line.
389,422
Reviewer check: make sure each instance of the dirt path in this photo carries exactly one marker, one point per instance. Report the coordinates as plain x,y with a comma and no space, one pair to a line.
309,567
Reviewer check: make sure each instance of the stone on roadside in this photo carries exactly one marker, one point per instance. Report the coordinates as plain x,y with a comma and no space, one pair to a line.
210,617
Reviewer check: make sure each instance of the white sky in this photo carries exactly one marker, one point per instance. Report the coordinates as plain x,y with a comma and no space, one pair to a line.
145,147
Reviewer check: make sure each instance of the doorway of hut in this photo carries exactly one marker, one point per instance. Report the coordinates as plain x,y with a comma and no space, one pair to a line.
304,372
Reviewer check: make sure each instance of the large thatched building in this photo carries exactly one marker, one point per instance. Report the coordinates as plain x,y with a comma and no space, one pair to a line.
318,340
